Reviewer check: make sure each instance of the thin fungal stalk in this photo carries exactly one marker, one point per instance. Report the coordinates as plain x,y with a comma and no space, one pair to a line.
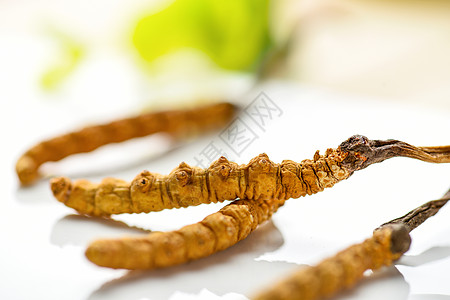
216,232
342,271
225,180
417,216
174,122
364,152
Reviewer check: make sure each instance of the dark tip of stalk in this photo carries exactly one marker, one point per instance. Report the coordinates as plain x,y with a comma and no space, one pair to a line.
400,238
359,151
362,152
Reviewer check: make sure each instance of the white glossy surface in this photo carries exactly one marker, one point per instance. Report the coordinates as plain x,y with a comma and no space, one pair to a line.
41,256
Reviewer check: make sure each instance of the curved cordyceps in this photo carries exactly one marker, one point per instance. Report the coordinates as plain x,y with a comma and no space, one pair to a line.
216,232
188,186
174,122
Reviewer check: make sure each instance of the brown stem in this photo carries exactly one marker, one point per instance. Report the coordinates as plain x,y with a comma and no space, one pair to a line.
420,214
362,152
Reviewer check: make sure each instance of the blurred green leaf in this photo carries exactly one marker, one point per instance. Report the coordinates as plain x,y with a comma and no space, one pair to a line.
233,33
70,53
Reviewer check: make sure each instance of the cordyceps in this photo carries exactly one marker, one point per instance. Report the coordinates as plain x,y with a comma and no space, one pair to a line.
225,180
262,186
174,122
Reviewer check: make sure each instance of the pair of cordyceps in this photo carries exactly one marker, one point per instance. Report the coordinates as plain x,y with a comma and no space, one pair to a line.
261,187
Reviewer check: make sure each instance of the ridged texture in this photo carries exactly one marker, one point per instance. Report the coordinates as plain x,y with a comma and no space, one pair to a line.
216,232
189,186
175,122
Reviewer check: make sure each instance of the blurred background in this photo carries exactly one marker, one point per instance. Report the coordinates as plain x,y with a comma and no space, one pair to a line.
146,52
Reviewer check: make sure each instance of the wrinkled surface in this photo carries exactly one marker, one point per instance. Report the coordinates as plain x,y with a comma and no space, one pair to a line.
214,233
188,186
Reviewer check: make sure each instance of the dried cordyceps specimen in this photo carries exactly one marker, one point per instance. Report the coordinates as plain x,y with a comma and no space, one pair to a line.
216,232
174,122
224,180
263,184
187,186
388,243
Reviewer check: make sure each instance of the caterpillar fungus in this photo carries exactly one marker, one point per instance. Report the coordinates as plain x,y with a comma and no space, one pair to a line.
186,186
224,180
177,123
214,233
262,185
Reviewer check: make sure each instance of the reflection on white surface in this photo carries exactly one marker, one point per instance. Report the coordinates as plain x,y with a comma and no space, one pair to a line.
429,278
80,230
431,255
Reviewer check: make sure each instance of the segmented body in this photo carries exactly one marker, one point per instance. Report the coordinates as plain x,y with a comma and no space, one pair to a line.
174,122
188,186
216,232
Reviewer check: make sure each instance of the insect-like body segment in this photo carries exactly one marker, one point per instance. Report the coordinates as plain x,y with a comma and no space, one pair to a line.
187,186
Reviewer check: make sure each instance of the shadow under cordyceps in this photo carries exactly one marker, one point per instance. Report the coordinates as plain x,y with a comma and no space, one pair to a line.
220,267
38,193
80,230
428,256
